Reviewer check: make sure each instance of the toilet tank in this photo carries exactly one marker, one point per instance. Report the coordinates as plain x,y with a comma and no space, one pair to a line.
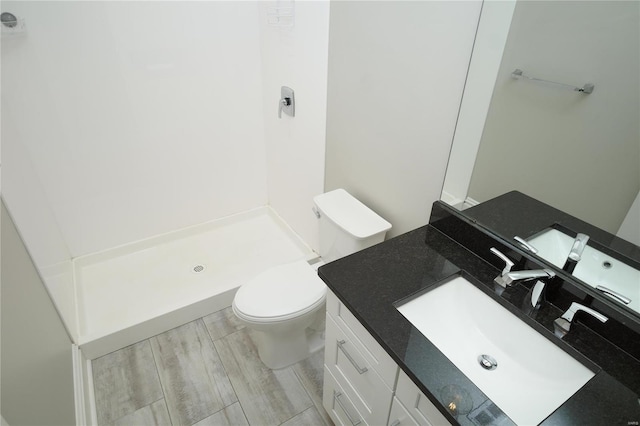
346,225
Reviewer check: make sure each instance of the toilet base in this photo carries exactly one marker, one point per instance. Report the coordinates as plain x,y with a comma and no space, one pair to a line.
280,351
316,341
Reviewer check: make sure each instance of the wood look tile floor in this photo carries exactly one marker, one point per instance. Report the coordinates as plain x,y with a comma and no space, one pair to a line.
206,372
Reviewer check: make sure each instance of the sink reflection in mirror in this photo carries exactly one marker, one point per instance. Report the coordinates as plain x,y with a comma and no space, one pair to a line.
608,275
520,370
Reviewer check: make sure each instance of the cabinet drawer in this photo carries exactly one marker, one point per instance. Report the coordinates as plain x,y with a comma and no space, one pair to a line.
345,360
417,404
373,353
338,404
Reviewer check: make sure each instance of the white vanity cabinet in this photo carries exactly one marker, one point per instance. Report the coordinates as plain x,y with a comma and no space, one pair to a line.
359,376
361,379
412,407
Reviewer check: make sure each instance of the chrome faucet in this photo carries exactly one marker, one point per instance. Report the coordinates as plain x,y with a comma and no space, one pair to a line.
507,278
578,247
575,254
562,325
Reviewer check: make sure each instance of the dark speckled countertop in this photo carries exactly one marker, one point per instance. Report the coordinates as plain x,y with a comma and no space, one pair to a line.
371,281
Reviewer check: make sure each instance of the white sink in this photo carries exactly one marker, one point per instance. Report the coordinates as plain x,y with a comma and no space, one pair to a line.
595,268
533,376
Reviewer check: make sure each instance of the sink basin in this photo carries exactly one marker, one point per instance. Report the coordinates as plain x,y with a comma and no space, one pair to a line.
533,377
595,268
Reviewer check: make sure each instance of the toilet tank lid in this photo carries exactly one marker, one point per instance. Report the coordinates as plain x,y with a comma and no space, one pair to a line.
350,214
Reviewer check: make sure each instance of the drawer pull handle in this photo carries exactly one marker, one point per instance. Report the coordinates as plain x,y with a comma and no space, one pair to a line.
396,422
336,396
360,370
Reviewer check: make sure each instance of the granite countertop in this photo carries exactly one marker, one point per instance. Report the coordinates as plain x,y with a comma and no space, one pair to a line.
371,281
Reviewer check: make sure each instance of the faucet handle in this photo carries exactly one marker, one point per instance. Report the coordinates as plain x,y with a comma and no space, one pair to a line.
575,307
526,245
562,325
508,263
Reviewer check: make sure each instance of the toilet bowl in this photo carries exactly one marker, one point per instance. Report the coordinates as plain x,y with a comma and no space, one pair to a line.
284,305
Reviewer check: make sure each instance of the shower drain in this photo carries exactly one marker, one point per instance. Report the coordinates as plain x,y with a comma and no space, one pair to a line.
197,269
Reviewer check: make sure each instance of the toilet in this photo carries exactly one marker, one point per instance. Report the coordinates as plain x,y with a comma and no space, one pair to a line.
285,304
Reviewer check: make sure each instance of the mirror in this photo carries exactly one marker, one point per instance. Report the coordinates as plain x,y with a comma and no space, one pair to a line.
576,152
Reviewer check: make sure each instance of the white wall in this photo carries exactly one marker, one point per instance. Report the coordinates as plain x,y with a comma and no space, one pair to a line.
24,192
296,57
138,117
396,75
37,370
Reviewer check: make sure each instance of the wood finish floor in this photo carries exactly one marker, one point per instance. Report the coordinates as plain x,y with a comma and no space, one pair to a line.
204,373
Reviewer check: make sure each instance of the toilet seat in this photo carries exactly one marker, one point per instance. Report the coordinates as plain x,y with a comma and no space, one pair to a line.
280,293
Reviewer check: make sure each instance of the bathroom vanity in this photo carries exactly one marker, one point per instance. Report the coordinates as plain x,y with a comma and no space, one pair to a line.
380,369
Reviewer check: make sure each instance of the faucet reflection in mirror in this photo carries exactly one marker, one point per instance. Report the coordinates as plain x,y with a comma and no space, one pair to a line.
610,276
579,244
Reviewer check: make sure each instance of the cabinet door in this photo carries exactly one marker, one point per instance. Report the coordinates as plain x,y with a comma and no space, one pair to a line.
417,404
400,416
359,381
